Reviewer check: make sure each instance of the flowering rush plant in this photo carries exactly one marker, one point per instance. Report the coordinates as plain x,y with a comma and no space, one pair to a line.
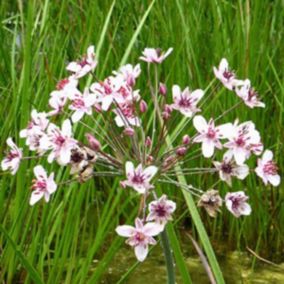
126,135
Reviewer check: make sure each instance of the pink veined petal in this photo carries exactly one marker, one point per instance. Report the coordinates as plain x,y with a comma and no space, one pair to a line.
35,197
141,252
129,169
64,156
217,73
245,209
200,123
90,51
176,92
274,179
77,115
197,95
46,196
151,229
208,148
225,130
106,102
40,172
267,156
67,128
172,206
73,67
140,188
186,112
169,51
149,172
125,230
138,224
240,155
223,65
52,186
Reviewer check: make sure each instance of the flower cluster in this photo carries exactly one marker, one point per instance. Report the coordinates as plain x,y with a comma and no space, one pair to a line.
126,133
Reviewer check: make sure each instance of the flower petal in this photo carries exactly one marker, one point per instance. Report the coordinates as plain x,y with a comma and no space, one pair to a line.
141,252
125,230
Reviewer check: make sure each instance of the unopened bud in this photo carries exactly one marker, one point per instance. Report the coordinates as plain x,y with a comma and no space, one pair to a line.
129,131
166,115
93,142
168,108
185,139
148,141
162,89
130,81
149,160
143,106
181,151
98,108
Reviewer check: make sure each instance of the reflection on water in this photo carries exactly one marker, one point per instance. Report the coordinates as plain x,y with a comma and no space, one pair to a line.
235,266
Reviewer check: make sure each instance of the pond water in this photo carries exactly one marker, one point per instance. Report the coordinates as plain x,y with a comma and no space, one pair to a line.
236,266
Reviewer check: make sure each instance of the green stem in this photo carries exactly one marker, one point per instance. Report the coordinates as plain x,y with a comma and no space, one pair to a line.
168,257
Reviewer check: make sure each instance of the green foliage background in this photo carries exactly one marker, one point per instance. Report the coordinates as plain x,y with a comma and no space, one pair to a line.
57,242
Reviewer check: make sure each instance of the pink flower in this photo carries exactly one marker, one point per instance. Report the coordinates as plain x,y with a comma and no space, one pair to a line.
161,210
267,169
66,88
139,236
139,178
228,168
82,104
227,77
125,115
129,73
12,161
209,134
60,142
114,90
244,139
155,55
249,95
185,101
43,186
86,65
236,203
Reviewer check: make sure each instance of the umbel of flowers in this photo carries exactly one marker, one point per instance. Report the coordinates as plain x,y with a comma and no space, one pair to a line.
114,115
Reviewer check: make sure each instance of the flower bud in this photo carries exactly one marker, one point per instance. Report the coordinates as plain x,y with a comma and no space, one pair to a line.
148,141
143,106
162,89
166,115
185,139
98,108
181,151
128,131
93,142
149,160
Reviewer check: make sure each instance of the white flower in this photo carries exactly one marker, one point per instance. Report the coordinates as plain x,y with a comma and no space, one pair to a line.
129,73
249,95
244,139
185,101
139,236
12,161
139,178
35,130
228,168
155,55
227,77
236,203
43,186
161,210
60,142
66,88
82,104
267,169
86,65
209,134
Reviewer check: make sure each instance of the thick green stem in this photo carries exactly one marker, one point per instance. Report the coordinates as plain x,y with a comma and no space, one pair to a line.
168,257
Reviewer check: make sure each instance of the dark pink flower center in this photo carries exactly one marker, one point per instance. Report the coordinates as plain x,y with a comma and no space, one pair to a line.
61,84
127,110
228,74
139,237
226,168
240,142
78,103
270,168
185,102
161,210
12,155
138,178
211,133
60,140
83,62
39,185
